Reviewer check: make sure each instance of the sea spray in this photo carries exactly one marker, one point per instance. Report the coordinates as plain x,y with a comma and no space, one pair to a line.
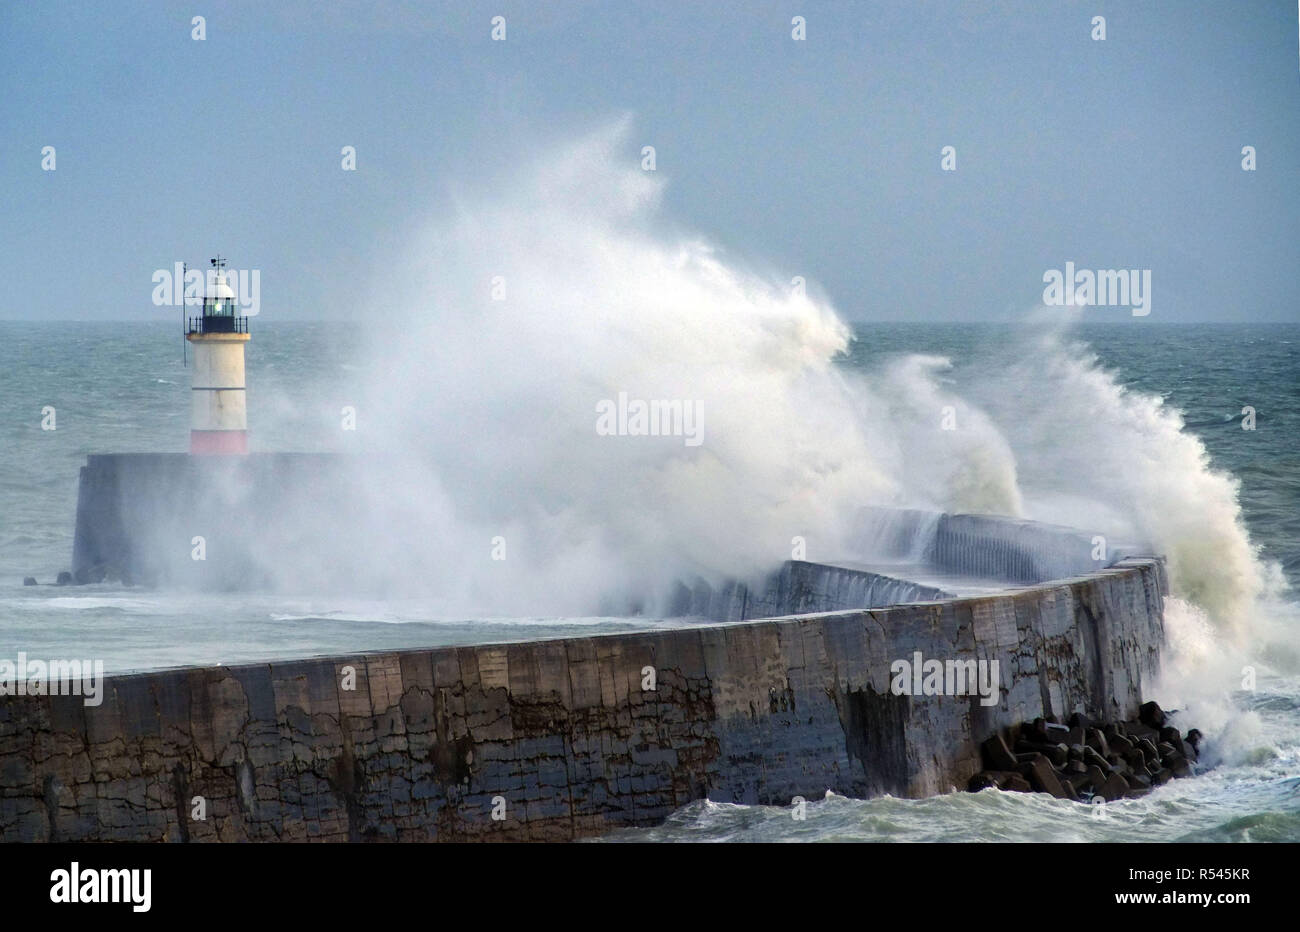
1092,453
487,403
484,408
486,483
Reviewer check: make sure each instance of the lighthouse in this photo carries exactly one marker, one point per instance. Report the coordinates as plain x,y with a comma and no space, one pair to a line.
218,413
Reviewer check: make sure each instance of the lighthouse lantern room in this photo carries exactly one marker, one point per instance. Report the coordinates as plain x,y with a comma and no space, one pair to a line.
218,412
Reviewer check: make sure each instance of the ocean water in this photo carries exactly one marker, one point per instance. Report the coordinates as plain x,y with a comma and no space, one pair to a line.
1087,440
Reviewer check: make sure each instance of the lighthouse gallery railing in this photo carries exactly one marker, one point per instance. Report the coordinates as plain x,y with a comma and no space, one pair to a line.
217,324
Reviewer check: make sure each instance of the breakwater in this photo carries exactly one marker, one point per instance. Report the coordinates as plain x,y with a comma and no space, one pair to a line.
1079,760
140,516
567,738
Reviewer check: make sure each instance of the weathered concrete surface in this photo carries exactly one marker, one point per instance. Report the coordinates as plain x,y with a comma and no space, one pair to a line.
562,731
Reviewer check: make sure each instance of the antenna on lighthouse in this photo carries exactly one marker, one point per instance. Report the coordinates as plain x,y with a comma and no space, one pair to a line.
219,265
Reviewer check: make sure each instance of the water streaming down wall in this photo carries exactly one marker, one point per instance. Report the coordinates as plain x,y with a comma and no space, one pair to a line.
986,546
900,542
1019,551
797,588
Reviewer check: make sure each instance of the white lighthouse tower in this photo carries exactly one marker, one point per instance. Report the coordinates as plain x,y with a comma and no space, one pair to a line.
218,412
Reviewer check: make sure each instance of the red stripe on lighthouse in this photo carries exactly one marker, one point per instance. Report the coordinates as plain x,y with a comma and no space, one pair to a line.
218,442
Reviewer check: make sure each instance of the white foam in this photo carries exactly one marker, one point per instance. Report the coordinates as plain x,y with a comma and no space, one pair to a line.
481,422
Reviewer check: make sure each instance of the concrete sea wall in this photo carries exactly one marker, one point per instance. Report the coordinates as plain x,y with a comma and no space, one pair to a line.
139,513
565,738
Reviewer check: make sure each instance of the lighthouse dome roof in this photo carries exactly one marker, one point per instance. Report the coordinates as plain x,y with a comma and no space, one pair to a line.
219,288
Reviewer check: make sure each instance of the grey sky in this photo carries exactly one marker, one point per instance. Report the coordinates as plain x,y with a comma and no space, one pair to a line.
819,157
